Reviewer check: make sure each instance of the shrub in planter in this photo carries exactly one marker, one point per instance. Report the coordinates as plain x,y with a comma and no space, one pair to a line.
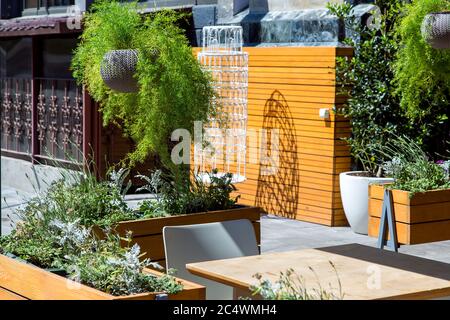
101,264
373,109
291,286
189,202
421,194
21,281
100,205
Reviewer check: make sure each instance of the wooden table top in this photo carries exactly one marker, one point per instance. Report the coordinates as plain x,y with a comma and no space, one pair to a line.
364,272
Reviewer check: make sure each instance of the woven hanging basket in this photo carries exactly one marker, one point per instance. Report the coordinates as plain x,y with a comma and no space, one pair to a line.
118,68
436,29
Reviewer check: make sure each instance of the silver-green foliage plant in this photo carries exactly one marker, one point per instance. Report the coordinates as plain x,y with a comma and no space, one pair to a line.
107,266
173,89
104,264
291,286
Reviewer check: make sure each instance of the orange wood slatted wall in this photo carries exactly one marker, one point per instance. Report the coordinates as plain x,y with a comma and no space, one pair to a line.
287,88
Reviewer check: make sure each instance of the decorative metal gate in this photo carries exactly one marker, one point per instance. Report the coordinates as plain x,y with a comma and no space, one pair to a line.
56,108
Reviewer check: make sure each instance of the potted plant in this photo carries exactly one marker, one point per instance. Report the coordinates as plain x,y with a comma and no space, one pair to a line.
422,77
173,91
420,195
118,69
373,108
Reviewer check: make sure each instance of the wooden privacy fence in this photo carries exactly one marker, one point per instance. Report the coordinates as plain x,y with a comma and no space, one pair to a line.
287,88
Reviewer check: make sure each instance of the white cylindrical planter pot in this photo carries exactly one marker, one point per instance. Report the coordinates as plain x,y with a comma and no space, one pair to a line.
355,198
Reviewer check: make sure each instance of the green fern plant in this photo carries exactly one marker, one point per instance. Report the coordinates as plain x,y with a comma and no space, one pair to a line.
174,91
422,76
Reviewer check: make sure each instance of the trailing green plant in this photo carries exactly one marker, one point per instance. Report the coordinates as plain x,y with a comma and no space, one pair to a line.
412,169
366,78
291,286
422,76
173,89
190,196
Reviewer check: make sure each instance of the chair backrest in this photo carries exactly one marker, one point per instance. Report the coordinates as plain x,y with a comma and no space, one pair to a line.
209,241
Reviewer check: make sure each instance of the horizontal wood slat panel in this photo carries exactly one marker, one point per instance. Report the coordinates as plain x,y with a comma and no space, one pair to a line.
326,73
293,64
414,214
297,82
291,58
415,233
287,85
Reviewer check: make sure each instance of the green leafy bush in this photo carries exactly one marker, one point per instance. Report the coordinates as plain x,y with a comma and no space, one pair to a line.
188,196
174,91
412,169
90,201
366,78
422,75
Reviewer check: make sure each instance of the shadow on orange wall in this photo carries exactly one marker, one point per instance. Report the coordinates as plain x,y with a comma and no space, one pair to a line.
279,179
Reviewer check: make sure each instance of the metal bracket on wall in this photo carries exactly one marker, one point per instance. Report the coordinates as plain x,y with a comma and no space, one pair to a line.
387,218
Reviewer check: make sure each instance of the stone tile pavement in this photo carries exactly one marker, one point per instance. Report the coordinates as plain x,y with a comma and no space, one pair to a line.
279,234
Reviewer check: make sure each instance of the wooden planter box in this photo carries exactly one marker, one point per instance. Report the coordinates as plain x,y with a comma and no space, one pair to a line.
424,217
148,232
23,281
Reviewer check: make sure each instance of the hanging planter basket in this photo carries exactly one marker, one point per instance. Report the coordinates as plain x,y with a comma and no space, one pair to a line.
118,68
436,29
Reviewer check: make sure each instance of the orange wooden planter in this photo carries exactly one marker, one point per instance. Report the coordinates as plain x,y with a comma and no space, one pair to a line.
148,232
424,217
22,281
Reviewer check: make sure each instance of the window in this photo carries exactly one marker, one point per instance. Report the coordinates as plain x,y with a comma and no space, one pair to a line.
56,55
55,3
47,3
15,58
43,7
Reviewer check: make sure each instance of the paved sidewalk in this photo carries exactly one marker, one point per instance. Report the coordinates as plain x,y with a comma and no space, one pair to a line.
278,234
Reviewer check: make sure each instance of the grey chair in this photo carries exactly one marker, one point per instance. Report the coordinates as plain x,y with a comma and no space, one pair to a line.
205,242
